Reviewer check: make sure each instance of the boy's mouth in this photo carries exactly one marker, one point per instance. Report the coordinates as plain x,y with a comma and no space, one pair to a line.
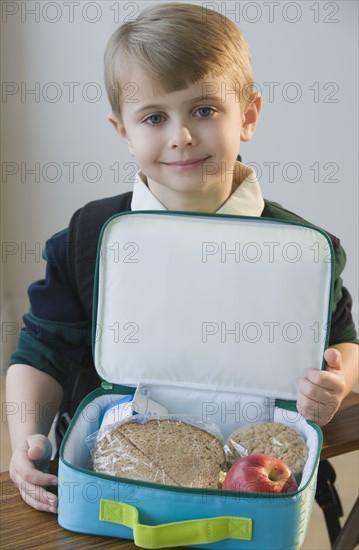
186,162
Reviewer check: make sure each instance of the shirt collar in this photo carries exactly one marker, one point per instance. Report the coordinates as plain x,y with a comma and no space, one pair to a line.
246,200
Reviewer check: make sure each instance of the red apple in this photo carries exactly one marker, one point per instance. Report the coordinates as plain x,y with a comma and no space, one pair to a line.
260,473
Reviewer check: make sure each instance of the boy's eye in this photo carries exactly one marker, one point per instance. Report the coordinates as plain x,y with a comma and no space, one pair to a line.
204,112
154,120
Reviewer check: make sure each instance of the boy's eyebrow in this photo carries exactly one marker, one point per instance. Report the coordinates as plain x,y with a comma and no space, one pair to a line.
148,107
203,97
207,97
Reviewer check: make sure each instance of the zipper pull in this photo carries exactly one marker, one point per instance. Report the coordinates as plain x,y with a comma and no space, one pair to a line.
106,385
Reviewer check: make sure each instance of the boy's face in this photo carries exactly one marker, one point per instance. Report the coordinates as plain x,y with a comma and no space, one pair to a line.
186,141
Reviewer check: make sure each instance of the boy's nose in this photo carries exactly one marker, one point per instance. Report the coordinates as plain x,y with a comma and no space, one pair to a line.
181,137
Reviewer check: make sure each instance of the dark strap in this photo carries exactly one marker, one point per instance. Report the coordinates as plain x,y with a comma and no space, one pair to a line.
83,235
81,383
328,499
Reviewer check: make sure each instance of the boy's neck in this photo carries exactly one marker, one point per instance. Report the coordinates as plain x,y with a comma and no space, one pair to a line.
189,202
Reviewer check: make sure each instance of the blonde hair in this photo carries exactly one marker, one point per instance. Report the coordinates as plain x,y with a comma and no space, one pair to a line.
176,45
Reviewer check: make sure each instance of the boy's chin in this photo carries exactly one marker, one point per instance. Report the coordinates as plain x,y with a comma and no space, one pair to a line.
183,186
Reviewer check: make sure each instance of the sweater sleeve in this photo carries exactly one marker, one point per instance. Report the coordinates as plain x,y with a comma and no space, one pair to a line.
56,336
342,327
342,324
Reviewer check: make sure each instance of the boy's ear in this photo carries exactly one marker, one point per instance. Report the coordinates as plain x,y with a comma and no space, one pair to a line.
119,127
251,117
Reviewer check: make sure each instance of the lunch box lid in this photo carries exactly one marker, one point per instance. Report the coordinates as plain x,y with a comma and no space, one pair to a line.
211,301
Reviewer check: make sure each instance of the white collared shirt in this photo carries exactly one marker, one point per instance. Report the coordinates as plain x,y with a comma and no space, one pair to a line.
246,200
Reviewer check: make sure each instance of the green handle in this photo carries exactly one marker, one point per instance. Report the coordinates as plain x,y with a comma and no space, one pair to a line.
181,533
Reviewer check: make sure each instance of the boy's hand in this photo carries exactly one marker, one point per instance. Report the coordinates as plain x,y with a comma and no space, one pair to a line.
29,468
320,393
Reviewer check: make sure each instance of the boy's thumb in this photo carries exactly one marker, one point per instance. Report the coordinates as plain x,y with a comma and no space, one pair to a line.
333,359
40,448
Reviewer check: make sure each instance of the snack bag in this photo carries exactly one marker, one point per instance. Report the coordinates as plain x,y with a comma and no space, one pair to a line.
271,438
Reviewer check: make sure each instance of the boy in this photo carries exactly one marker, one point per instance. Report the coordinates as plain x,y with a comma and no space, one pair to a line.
180,85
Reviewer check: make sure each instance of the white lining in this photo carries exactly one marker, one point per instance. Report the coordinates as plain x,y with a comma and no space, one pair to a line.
77,453
174,310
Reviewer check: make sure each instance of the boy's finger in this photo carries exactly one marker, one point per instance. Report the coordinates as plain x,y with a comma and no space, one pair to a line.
36,477
319,381
39,449
312,391
26,469
333,359
38,497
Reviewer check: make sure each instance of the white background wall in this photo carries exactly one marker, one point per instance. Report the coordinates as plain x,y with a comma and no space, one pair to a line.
54,111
